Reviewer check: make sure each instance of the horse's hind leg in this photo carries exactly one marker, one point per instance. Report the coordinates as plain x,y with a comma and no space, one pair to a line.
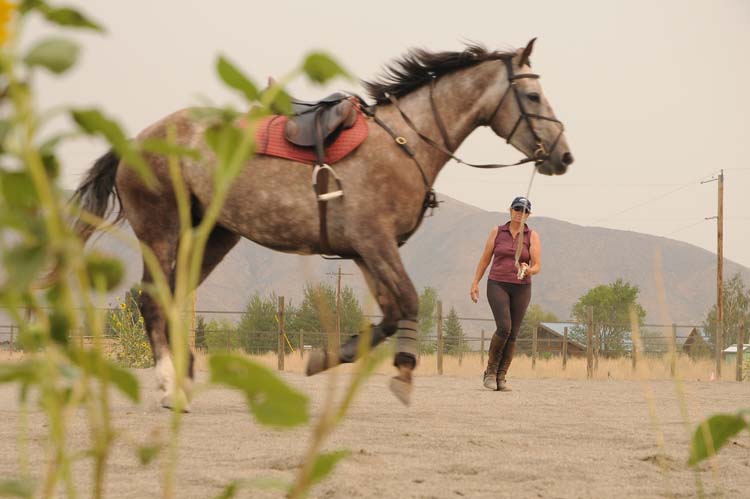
219,243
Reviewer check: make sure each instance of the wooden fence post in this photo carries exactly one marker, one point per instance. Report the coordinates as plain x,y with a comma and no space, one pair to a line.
534,346
481,348
301,345
597,346
673,350
440,337
740,350
589,341
565,348
281,334
460,350
12,344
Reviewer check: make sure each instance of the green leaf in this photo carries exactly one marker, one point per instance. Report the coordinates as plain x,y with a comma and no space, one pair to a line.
158,146
282,103
108,269
93,122
271,401
5,127
23,264
18,190
59,327
230,490
234,78
125,381
325,463
147,453
55,54
25,371
16,488
720,428
97,365
225,140
321,67
66,16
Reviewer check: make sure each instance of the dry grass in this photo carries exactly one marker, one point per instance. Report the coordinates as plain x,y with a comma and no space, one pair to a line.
649,368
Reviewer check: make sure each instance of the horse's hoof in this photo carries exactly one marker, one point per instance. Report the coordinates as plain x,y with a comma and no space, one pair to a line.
401,389
318,362
170,402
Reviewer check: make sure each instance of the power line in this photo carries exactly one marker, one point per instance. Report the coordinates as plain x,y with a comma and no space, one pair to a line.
648,201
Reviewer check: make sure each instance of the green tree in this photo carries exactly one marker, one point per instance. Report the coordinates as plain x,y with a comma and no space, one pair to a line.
352,317
317,313
258,326
736,311
200,332
535,315
427,317
221,336
611,303
455,341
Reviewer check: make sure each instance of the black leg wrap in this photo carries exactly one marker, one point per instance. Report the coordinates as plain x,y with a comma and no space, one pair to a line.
350,347
407,343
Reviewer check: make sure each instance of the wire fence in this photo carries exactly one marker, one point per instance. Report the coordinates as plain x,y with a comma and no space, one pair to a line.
457,337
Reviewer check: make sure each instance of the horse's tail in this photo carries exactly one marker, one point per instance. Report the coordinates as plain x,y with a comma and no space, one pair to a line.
94,193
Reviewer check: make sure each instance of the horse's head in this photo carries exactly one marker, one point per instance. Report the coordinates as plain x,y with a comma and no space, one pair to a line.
522,115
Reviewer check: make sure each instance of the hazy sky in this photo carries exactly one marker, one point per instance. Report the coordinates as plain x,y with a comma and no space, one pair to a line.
654,94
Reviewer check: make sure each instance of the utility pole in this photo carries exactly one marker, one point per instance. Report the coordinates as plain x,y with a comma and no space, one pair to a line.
338,304
719,271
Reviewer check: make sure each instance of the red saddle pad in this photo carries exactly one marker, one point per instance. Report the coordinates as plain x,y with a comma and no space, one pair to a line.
269,140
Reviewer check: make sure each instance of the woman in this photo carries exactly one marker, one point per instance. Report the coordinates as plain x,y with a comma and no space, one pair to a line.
508,286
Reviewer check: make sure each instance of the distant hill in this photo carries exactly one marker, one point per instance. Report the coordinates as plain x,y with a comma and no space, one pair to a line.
444,254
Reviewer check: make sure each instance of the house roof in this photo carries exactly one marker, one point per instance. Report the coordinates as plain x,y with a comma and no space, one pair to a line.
733,348
558,329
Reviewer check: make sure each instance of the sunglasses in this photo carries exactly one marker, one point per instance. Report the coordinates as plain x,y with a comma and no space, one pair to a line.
520,208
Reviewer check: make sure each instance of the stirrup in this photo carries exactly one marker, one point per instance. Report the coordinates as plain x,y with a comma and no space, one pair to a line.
327,196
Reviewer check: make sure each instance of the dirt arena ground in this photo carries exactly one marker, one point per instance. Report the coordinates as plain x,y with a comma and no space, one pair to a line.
547,438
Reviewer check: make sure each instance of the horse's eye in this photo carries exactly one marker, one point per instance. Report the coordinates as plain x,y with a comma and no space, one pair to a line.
534,97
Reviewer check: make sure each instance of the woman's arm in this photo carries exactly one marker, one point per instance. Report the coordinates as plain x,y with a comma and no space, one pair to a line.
535,253
484,261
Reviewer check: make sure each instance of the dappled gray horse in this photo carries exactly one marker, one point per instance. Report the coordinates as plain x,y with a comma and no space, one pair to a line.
426,104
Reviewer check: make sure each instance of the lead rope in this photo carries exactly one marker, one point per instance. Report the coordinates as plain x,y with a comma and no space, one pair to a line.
519,247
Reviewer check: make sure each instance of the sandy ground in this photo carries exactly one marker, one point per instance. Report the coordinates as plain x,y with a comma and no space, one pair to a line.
547,438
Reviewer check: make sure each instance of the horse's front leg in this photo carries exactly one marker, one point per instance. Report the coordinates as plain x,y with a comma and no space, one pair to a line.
400,304
321,360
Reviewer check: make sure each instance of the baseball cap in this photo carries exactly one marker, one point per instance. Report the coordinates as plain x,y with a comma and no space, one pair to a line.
521,201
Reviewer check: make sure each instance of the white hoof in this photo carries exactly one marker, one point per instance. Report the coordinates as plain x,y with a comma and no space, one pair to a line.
170,398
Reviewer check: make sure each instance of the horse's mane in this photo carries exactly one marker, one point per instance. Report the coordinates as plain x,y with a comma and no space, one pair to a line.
419,66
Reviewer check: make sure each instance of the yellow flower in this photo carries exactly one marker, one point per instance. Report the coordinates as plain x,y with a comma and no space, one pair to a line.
122,305
6,13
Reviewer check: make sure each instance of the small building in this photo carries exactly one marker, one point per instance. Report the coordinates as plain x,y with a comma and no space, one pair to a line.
696,343
551,336
730,353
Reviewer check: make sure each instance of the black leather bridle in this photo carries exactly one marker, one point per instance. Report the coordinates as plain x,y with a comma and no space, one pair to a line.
539,155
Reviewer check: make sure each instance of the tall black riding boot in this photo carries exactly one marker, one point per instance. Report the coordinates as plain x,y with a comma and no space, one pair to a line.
493,361
510,349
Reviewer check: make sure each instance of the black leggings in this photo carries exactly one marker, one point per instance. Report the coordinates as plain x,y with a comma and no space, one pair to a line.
508,302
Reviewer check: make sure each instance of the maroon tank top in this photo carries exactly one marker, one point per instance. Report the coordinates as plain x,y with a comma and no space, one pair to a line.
504,255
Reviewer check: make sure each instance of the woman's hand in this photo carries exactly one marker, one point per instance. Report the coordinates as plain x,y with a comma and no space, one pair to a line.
474,291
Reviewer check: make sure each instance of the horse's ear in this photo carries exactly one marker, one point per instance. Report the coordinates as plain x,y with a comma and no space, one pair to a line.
527,53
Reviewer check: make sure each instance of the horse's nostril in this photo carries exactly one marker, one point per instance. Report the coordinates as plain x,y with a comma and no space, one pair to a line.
567,158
